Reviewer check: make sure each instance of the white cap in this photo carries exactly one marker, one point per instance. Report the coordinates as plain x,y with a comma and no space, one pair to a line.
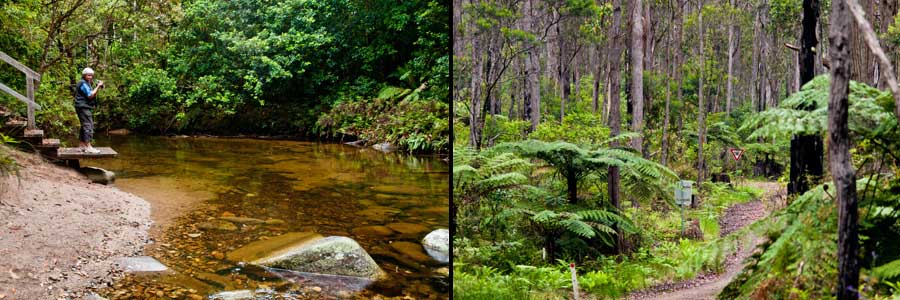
87,70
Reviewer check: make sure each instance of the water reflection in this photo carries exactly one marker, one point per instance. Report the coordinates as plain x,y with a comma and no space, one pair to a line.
385,202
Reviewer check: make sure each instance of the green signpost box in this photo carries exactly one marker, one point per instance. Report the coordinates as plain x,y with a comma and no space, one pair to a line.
683,193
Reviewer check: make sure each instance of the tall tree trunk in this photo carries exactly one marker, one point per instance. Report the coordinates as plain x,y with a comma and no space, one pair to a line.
755,89
670,71
637,73
615,122
806,150
476,109
532,68
728,79
679,60
839,153
701,121
457,45
562,72
595,97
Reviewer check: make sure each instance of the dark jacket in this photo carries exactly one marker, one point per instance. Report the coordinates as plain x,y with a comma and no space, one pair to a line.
82,91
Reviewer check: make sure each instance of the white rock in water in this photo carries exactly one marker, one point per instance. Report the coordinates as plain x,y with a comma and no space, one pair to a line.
384,147
232,295
141,264
437,244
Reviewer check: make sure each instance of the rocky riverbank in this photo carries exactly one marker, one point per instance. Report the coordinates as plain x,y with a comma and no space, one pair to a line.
61,235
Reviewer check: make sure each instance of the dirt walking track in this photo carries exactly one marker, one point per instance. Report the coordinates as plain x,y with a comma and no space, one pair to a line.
708,286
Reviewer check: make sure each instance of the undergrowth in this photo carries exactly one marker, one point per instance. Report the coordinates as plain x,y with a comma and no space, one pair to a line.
513,268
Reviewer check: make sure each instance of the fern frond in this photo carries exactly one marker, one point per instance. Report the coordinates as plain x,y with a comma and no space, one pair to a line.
889,270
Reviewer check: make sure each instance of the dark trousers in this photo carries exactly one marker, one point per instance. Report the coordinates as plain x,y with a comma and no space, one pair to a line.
86,117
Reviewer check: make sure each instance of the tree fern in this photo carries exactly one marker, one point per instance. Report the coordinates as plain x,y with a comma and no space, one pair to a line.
573,163
477,174
868,108
889,270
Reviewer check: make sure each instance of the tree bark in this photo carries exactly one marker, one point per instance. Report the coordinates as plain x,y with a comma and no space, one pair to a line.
477,105
670,71
637,73
728,84
532,68
872,41
615,122
806,150
701,122
839,153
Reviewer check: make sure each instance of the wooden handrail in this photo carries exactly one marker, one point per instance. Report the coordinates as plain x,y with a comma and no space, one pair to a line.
30,77
15,63
12,92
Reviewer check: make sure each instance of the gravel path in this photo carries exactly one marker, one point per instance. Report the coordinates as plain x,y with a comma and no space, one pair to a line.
707,286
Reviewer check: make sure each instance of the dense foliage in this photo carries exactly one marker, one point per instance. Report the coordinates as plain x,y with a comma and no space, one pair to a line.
548,105
373,70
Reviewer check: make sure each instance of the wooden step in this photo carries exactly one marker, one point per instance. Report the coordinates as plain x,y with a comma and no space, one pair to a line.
15,123
49,143
76,153
48,147
34,133
33,136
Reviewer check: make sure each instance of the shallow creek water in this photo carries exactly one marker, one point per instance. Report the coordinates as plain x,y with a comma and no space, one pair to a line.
377,199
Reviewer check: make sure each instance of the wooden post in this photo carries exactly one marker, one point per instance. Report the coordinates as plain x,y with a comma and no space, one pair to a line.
30,83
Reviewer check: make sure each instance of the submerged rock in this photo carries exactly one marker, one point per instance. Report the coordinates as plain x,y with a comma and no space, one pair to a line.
378,213
243,220
411,250
372,230
274,222
232,295
98,175
141,264
217,225
437,244
311,253
408,189
407,228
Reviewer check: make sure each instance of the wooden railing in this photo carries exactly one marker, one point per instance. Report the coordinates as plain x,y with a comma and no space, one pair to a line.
31,78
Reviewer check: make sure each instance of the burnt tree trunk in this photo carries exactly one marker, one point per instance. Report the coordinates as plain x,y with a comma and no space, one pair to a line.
806,150
572,186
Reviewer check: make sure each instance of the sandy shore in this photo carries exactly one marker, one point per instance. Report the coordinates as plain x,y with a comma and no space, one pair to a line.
60,234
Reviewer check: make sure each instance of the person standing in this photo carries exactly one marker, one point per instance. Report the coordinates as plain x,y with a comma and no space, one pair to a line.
85,101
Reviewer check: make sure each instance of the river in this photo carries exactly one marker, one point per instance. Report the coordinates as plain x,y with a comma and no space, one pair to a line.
376,198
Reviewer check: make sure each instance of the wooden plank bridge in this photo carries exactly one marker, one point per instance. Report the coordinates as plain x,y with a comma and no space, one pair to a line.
28,133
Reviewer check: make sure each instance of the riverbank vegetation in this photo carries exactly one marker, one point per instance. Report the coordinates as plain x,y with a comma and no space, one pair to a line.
371,70
570,139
